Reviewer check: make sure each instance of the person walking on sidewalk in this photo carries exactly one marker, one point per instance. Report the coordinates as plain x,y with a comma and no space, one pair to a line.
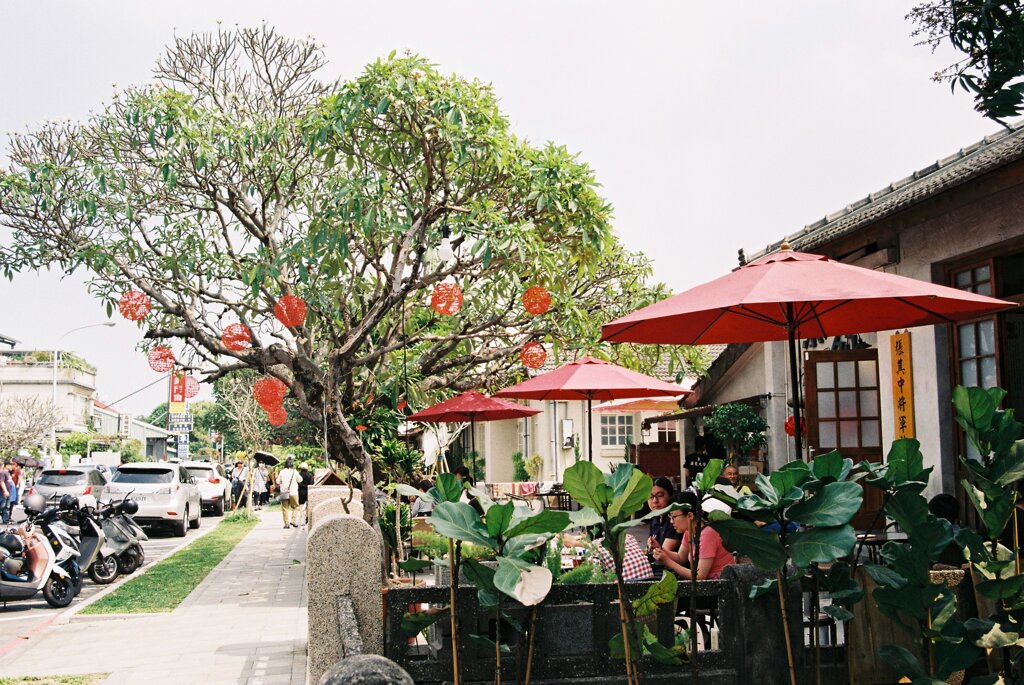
288,480
305,480
259,485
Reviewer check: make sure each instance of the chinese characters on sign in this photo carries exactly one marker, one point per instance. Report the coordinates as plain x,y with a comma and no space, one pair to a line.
177,400
902,386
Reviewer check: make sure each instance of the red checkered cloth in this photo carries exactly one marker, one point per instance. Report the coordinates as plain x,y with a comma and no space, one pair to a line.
635,565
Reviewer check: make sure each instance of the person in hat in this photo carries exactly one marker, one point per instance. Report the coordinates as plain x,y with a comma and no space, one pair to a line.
288,480
239,474
305,480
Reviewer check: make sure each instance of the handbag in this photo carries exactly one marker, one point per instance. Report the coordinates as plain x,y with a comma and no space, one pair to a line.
284,497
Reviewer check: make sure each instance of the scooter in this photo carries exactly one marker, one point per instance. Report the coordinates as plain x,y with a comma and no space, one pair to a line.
124,534
28,564
62,541
95,554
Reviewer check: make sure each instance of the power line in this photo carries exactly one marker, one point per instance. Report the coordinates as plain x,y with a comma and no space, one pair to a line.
136,392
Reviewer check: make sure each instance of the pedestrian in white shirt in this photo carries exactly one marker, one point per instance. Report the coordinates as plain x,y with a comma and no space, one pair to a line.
288,480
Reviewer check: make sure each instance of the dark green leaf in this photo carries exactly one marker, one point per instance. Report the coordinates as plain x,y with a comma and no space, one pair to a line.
885,576
632,497
447,488
908,508
498,518
662,592
706,479
821,545
585,483
833,505
791,475
744,537
902,661
988,634
838,612
459,521
764,588
416,623
831,466
415,565
547,521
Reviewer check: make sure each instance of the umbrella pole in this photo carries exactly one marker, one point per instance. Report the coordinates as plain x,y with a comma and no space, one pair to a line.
472,444
590,431
797,423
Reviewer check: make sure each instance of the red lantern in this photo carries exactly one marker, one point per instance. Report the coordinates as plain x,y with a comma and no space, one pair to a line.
191,387
791,426
277,416
290,310
533,355
269,392
236,337
446,299
537,300
134,305
161,359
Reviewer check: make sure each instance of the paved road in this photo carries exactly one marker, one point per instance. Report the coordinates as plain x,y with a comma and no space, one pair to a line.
19,619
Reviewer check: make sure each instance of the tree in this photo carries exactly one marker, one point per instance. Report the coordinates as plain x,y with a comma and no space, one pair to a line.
990,35
25,421
239,177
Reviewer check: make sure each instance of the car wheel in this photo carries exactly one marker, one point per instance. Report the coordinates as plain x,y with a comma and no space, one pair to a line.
104,571
218,508
179,528
194,525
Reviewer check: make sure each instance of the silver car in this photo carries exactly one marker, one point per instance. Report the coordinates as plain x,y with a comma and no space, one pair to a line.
74,480
213,483
166,493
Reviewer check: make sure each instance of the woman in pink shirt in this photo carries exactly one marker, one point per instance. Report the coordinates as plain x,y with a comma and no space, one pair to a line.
714,557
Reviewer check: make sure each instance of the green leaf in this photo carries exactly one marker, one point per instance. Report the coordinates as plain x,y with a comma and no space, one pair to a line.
763,548
584,518
789,476
459,521
498,518
415,623
633,496
585,483
528,586
412,565
905,462
885,576
1008,468
447,488
706,480
975,409
838,612
821,545
988,634
767,587
1001,588
902,661
410,491
662,592
483,577
908,508
833,505
831,466
547,521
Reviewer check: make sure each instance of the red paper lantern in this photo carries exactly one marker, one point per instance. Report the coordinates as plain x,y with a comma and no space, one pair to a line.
161,359
446,299
191,387
134,305
277,416
533,355
269,392
791,426
537,300
236,337
290,310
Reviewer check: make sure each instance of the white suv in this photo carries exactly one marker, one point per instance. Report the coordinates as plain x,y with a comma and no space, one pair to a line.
213,483
166,493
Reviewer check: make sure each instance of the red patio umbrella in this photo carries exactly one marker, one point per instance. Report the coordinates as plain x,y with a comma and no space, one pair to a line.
470,407
790,295
591,379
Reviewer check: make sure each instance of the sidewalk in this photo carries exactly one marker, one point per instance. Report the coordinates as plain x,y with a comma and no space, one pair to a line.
245,623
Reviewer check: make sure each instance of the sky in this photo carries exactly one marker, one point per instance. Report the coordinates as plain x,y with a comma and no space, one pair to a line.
711,126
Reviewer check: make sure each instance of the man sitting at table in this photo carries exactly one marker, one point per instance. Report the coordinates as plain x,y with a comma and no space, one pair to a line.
714,557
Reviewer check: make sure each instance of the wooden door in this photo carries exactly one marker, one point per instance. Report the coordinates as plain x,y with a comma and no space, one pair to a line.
843,412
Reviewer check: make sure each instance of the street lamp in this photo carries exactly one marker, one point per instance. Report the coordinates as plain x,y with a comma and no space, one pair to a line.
53,428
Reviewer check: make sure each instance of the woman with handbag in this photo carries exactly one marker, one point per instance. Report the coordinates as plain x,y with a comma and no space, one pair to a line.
288,480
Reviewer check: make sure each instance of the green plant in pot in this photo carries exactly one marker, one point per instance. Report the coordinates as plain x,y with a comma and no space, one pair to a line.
738,427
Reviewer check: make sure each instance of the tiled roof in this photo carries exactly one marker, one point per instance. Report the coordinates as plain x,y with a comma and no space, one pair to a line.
968,163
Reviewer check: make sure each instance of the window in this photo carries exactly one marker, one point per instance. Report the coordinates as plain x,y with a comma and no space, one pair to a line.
667,432
616,429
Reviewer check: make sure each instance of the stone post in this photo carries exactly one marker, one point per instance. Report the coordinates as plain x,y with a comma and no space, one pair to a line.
333,506
342,568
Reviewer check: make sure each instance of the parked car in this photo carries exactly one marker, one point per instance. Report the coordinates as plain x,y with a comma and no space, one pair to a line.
85,479
166,494
214,484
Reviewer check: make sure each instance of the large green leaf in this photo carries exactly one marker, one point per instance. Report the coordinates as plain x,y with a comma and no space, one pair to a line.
662,592
1008,466
447,488
833,505
792,475
821,545
956,654
547,521
902,661
885,576
766,587
975,409
416,623
988,634
932,537
632,496
412,565
498,518
763,548
831,466
993,503
459,521
483,577
410,491
585,517
908,508
528,586
705,482
618,478
905,462
585,483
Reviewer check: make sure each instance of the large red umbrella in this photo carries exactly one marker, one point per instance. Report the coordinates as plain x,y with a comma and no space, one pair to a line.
790,295
591,379
470,407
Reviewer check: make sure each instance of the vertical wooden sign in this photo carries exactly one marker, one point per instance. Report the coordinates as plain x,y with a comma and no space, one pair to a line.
902,386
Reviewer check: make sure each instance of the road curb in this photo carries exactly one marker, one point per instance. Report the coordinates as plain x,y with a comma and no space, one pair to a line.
67,615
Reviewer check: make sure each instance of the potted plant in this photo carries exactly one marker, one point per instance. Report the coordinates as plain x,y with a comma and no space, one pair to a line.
739,428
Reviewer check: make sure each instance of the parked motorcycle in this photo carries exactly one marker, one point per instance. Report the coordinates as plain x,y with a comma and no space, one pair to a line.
96,554
62,541
29,561
124,534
